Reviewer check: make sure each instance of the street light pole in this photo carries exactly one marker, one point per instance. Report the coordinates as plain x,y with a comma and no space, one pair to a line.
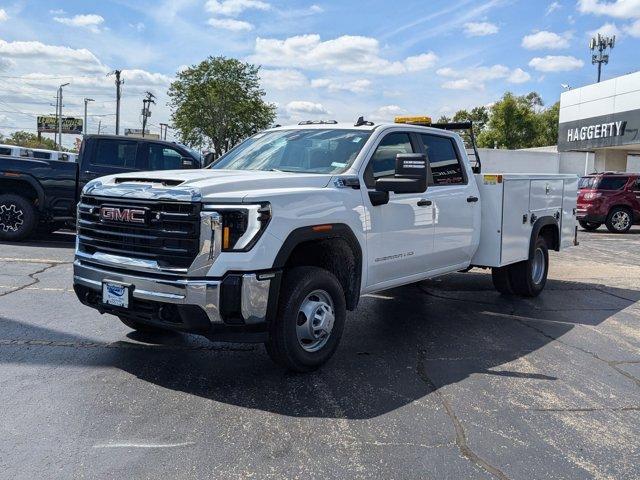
60,116
84,128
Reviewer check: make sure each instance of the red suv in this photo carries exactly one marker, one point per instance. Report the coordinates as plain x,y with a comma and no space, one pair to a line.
610,198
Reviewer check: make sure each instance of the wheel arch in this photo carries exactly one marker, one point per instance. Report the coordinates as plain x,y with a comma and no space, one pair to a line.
333,247
20,184
548,228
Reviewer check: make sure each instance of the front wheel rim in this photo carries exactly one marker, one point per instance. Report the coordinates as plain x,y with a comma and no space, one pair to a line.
316,317
620,220
11,218
538,266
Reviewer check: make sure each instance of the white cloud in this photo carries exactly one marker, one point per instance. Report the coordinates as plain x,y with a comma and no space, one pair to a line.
462,84
299,106
316,8
474,78
138,26
623,9
233,8
545,40
556,63
608,29
90,21
386,113
356,86
519,76
284,79
480,29
420,62
633,29
553,7
3,15
81,59
230,24
345,54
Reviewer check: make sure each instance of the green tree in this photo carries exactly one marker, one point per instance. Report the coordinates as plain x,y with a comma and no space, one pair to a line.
218,103
548,120
513,123
30,140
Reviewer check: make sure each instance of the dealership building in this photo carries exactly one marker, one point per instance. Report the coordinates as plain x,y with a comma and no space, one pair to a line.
603,118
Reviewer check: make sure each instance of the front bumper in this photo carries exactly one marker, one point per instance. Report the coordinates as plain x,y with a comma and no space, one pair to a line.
238,303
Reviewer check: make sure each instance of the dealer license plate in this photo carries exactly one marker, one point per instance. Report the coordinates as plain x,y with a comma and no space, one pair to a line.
115,294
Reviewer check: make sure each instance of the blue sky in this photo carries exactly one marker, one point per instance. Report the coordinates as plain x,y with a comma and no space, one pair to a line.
320,58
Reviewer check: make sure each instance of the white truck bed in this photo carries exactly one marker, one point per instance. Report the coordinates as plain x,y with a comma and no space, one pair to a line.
508,203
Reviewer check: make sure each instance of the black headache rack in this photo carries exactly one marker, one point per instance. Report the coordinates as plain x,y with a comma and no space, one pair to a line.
472,150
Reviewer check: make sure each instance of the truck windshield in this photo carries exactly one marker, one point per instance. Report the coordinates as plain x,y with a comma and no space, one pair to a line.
300,150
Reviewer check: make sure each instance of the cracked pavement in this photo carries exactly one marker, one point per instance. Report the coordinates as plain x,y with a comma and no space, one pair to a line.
445,379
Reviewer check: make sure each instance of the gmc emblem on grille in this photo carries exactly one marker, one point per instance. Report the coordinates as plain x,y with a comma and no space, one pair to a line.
127,215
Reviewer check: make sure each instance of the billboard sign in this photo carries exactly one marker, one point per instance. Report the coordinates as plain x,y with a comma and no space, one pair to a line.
49,124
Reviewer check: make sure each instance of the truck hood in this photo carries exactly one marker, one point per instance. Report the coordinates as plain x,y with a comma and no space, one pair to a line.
202,184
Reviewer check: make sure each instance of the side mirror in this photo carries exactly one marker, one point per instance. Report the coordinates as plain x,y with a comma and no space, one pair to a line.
187,162
410,175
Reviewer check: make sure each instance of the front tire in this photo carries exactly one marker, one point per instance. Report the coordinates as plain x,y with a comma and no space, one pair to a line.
528,278
619,220
589,226
310,320
18,217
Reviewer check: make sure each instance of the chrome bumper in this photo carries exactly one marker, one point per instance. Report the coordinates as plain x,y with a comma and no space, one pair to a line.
202,293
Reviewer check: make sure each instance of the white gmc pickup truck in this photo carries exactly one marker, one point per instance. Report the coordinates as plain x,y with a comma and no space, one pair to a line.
281,236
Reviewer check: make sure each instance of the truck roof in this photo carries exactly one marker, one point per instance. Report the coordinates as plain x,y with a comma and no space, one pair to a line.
351,126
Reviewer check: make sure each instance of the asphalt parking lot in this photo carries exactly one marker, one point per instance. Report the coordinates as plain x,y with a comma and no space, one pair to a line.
444,379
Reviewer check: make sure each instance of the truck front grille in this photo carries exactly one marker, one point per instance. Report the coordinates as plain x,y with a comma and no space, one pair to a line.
170,234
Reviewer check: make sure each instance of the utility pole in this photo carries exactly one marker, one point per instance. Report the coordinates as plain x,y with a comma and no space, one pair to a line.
60,116
99,126
118,94
146,109
55,136
600,43
163,126
84,127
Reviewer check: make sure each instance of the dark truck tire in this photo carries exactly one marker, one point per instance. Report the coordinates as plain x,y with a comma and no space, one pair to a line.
310,319
18,217
527,278
589,226
619,220
501,280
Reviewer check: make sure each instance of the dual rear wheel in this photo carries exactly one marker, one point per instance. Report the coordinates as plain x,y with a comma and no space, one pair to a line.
526,278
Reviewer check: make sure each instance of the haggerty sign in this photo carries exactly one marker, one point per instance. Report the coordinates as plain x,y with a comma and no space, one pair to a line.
600,130
604,131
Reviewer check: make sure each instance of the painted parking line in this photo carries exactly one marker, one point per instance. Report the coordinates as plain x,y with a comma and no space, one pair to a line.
34,260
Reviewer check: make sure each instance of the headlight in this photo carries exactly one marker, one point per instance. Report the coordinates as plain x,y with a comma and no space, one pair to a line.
592,195
242,226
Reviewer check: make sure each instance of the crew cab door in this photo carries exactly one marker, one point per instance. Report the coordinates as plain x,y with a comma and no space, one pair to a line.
456,203
400,232
107,156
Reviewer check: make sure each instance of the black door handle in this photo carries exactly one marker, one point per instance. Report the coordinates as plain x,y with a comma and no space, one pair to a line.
424,202
472,199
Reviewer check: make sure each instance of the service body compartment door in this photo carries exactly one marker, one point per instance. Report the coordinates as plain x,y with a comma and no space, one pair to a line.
546,195
516,224
569,199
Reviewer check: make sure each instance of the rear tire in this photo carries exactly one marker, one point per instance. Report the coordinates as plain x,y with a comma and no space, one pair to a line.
310,319
528,278
501,280
589,226
619,220
141,327
18,217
